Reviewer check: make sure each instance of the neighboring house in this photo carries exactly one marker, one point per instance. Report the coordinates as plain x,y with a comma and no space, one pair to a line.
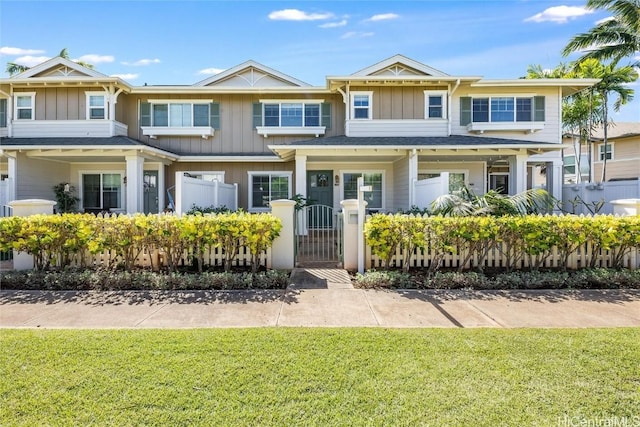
622,152
395,122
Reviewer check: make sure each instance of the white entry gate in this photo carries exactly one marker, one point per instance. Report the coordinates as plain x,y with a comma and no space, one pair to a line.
318,236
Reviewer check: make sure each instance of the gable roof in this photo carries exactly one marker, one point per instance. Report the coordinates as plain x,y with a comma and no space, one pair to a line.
59,67
400,65
250,74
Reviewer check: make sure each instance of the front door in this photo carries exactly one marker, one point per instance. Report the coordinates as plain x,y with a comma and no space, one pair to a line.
320,192
150,182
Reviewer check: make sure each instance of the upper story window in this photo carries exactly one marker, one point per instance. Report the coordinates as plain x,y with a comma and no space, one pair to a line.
291,114
24,106
361,105
435,104
3,113
608,153
502,109
96,106
179,117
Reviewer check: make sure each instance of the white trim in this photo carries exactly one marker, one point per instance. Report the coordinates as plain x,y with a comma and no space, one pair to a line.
444,106
154,131
290,130
398,59
450,171
206,172
251,174
105,107
180,101
352,96
291,101
17,95
123,194
251,64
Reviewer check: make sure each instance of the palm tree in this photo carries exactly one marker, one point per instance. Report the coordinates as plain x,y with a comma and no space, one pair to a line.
13,68
612,80
612,39
465,202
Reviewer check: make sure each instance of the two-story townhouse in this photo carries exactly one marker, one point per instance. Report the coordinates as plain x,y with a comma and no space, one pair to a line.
394,123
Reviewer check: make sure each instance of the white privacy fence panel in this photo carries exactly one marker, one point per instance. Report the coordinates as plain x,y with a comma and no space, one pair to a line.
427,190
198,192
589,198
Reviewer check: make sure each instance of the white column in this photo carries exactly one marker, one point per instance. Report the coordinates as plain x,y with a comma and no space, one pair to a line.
413,177
161,189
12,169
554,178
135,166
350,234
283,249
518,174
301,175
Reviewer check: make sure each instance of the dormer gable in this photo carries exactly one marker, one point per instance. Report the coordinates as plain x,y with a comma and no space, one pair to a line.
58,67
251,74
399,66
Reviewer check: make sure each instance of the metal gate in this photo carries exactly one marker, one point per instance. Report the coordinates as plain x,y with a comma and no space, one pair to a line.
318,236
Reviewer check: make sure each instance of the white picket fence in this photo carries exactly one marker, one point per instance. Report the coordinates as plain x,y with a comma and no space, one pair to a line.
497,258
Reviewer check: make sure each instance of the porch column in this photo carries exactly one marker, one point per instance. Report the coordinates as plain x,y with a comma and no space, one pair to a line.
12,166
554,178
134,183
413,177
518,174
161,189
301,175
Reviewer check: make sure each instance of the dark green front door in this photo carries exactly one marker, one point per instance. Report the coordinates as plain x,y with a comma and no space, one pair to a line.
320,188
150,182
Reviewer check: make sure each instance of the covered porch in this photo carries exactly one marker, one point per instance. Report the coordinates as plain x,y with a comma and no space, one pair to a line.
326,169
115,174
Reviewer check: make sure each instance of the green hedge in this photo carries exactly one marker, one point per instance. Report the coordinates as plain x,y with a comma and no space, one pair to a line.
533,237
59,240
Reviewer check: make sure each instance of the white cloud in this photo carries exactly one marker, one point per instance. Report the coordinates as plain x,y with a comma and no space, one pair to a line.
607,19
211,71
559,14
142,62
30,61
356,34
383,17
298,15
129,76
95,59
334,24
6,50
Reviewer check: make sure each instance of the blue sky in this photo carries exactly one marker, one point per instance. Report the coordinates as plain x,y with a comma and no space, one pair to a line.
182,42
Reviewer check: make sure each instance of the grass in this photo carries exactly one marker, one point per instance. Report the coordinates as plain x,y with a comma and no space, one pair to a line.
337,377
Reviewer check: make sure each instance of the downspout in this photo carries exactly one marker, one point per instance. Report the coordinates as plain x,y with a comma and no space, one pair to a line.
449,106
347,110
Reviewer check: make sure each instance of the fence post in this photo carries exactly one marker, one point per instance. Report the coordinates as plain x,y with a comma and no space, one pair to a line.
283,249
350,234
22,260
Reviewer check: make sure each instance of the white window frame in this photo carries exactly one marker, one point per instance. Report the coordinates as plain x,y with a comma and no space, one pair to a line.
382,172
515,107
101,172
444,95
16,109
251,174
353,95
192,102
302,102
89,107
610,145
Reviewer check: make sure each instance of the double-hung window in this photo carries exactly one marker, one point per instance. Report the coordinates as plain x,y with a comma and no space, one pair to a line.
435,104
96,106
267,186
361,105
24,106
373,198
102,191
608,153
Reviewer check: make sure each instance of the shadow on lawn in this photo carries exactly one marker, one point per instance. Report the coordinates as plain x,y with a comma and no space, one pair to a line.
120,298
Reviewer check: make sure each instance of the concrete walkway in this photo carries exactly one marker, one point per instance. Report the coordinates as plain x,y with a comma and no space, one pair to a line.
323,298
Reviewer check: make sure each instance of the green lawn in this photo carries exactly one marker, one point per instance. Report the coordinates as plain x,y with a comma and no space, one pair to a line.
325,377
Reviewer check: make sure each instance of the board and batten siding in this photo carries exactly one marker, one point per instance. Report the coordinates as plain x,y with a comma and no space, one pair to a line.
401,184
237,133
397,102
552,124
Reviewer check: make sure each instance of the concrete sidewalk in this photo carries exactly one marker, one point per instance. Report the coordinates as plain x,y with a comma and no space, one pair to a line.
320,307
